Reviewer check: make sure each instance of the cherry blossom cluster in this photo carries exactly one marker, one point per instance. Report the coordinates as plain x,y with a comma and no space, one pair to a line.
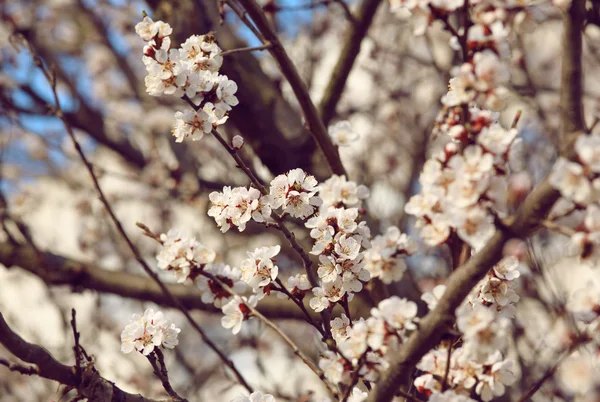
221,284
364,343
464,186
183,255
579,183
237,206
294,192
148,331
191,71
476,362
385,258
340,238
464,183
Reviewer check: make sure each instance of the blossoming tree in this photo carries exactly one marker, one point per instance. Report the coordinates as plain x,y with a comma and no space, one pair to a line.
181,219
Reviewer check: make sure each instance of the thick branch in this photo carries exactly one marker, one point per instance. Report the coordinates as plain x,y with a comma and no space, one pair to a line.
92,386
57,270
525,221
311,115
339,76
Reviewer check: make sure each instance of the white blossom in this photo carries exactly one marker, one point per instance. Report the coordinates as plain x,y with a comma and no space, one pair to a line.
342,134
183,255
432,298
256,396
236,311
569,178
258,270
147,331
295,192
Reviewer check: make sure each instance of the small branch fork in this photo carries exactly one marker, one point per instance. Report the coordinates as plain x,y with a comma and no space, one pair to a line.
157,360
51,78
279,223
265,33
275,328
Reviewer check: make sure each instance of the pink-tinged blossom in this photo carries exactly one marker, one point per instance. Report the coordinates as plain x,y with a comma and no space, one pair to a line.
432,298
385,258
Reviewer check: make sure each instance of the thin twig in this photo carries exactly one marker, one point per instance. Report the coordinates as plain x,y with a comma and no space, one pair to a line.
157,360
552,370
565,230
76,346
58,112
275,328
20,368
246,49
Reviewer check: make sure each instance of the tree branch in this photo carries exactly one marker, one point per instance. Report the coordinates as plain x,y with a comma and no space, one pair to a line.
350,50
311,115
92,385
57,270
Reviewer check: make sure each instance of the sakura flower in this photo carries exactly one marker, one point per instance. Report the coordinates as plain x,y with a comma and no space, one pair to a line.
295,193
357,395
236,311
256,396
333,368
569,178
427,384
585,302
258,270
496,139
212,291
146,29
399,313
436,232
326,294
226,90
473,164
494,384
342,134
347,247
384,259
339,328
183,255
475,226
507,268
434,297
191,124
147,331
449,396
579,373
237,142
588,150
339,192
